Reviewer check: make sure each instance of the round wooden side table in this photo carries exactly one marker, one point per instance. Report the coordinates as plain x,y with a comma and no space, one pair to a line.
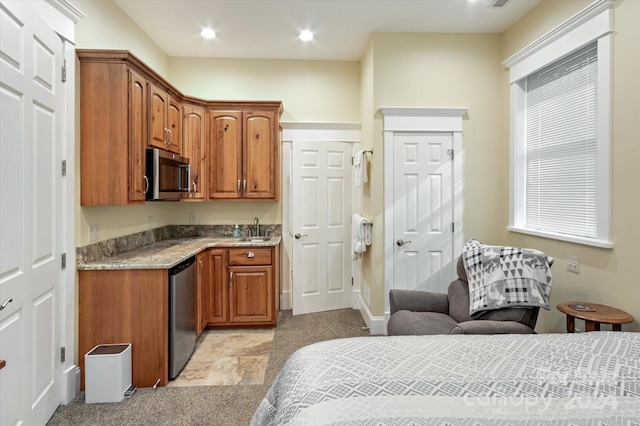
601,314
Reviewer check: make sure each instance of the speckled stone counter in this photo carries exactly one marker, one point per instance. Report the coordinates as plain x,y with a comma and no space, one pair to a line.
160,248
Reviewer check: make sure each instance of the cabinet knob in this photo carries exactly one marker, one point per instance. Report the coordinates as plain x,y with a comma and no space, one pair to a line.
251,254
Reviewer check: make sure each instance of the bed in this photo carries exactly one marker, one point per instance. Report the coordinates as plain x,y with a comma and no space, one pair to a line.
555,379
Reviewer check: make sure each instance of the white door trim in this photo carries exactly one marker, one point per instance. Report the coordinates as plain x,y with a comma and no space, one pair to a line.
61,16
303,131
398,120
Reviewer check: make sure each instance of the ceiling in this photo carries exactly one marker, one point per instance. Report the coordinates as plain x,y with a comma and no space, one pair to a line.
269,28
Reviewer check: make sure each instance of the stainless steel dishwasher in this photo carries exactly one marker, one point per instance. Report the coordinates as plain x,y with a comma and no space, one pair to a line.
182,315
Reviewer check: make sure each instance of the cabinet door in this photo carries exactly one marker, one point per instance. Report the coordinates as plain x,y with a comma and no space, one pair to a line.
202,292
194,149
225,155
158,121
260,154
218,287
137,136
174,124
251,294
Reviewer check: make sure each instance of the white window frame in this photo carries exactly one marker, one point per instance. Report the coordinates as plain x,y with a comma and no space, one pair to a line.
594,23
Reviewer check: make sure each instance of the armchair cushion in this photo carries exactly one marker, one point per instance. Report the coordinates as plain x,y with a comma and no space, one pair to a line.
404,323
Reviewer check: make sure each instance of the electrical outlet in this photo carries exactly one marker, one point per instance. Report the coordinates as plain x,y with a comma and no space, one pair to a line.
94,232
193,217
573,264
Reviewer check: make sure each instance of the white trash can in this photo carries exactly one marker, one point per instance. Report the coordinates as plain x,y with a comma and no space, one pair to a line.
107,373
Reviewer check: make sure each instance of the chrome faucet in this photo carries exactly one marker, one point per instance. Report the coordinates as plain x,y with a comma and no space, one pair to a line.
256,222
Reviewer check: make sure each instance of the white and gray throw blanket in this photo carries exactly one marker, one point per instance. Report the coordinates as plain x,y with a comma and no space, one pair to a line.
502,277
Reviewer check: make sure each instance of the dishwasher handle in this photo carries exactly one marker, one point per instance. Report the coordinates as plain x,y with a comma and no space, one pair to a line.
182,266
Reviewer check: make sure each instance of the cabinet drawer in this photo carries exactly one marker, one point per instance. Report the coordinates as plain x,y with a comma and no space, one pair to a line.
250,256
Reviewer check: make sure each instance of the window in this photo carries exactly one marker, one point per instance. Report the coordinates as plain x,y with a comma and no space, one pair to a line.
556,139
560,139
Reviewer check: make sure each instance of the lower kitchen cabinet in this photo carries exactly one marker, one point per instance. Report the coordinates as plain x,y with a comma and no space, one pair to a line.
243,286
202,292
218,286
127,306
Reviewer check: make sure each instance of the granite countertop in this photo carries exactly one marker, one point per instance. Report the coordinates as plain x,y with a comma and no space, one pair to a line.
168,253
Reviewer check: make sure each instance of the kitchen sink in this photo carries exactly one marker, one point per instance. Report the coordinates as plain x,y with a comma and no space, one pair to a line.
255,239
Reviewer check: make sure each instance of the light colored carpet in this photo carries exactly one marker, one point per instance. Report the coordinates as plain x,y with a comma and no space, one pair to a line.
220,405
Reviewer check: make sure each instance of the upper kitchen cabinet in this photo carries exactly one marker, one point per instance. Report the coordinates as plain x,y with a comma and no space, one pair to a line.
126,108
165,122
113,131
194,148
243,152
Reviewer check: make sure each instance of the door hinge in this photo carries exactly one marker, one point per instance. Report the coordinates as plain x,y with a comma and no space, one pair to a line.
63,355
64,260
453,227
352,281
64,167
64,71
451,153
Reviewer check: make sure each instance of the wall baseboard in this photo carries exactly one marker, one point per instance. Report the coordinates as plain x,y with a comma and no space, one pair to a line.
377,325
286,303
70,384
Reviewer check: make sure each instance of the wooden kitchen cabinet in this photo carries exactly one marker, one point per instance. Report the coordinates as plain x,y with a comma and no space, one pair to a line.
218,287
138,182
127,306
194,148
243,286
126,107
243,154
202,292
113,132
165,121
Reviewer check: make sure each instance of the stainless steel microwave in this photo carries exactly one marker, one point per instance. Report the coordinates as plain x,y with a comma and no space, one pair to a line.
168,175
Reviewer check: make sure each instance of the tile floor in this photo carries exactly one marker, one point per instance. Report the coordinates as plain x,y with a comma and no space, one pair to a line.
228,357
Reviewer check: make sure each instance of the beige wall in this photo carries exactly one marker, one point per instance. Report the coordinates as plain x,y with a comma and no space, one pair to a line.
442,70
606,276
310,91
108,27
367,112
325,91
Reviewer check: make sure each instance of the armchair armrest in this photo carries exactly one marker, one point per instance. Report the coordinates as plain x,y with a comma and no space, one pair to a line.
418,301
491,327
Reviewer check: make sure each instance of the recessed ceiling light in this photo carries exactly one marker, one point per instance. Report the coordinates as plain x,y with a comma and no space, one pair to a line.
305,36
208,33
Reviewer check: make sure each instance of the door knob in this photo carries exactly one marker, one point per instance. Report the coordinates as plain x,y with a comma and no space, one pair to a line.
401,242
298,235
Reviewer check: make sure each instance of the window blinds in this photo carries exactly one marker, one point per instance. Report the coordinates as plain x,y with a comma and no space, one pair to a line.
559,132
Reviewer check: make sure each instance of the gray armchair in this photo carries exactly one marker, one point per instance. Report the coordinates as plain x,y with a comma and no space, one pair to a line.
416,312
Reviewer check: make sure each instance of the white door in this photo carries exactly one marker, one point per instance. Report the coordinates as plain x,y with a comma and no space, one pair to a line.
322,226
31,102
423,211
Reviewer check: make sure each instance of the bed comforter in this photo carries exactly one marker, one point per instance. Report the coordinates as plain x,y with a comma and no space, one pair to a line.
555,379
